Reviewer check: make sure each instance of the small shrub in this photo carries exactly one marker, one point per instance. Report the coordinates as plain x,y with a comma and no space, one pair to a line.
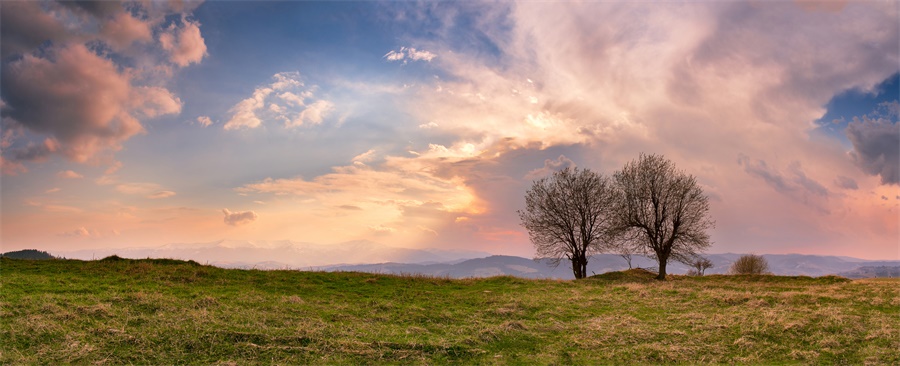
750,264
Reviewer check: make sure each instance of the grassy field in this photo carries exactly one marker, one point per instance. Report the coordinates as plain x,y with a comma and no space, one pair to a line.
173,312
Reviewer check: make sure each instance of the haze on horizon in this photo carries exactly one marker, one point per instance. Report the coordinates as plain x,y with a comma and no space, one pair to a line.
421,125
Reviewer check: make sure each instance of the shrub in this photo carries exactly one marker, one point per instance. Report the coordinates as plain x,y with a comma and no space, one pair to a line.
750,264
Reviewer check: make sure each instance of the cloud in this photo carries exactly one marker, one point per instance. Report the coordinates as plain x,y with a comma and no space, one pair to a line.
161,194
428,125
124,29
78,79
287,86
25,26
82,232
11,167
314,114
876,144
365,157
69,174
382,230
81,100
204,121
244,113
550,166
796,185
185,44
239,218
846,182
148,190
53,190
407,54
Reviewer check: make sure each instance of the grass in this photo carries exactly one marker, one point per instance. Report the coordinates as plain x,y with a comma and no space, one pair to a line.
173,312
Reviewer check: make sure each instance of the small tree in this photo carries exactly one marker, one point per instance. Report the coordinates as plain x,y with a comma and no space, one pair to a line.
750,264
627,256
662,210
568,215
700,265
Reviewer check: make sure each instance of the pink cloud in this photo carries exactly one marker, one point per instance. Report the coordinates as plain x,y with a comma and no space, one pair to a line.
69,174
239,217
123,30
185,44
81,100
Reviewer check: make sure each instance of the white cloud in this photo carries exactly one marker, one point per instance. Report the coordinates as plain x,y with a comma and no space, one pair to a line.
407,54
288,87
239,218
244,113
428,125
314,114
294,99
365,157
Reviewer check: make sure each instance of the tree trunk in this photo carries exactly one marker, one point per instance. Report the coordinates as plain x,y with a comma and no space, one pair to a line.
579,267
662,269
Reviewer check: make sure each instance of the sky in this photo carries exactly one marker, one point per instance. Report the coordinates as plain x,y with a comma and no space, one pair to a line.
422,124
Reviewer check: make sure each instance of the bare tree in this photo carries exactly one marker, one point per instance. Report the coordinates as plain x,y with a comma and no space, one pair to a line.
568,215
700,265
662,210
627,256
750,264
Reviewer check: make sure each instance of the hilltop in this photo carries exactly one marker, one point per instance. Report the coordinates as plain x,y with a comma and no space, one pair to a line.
163,311
27,254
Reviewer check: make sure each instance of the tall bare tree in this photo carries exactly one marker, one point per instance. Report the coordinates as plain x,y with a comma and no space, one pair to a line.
569,215
662,210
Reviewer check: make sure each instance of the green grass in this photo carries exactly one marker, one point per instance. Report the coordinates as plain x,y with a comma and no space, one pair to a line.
173,312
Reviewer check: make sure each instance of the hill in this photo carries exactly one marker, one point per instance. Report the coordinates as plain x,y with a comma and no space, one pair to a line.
873,272
27,254
122,311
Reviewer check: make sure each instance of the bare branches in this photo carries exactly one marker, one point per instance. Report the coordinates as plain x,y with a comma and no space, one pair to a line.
569,215
649,208
663,210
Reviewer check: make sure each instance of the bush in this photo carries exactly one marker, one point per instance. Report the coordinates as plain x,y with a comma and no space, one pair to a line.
750,264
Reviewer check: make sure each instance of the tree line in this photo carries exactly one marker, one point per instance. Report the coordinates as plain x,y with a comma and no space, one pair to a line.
647,208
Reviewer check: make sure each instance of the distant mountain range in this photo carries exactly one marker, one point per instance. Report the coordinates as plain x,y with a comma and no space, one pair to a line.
367,256
780,264
282,254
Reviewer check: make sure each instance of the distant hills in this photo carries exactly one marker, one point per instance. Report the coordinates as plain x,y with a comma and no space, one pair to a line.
283,254
780,264
367,256
27,254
